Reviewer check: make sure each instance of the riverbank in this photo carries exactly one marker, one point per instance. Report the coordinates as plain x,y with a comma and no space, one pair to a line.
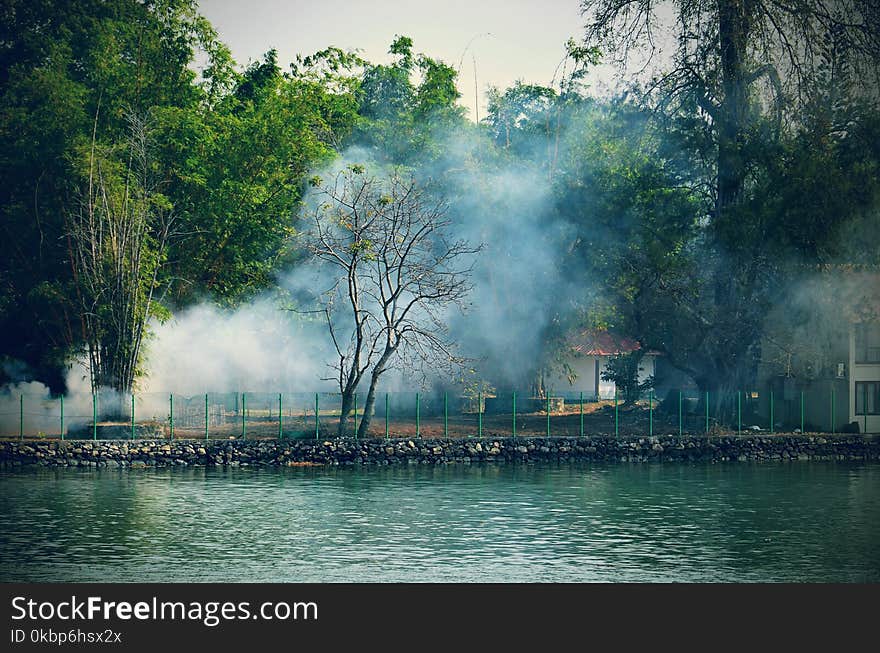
669,448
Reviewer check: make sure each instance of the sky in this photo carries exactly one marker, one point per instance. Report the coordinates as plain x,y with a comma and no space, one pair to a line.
504,40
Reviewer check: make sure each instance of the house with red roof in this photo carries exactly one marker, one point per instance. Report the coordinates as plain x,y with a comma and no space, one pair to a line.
587,353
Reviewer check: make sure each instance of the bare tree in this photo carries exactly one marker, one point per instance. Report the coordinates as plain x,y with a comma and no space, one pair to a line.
117,235
388,240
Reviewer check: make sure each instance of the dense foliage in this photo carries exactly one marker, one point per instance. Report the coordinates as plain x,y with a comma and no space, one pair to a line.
679,212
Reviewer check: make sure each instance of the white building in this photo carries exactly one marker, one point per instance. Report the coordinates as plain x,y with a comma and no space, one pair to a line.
821,353
589,353
864,377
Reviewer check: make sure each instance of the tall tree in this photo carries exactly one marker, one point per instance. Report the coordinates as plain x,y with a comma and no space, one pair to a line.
118,233
404,120
62,64
738,69
388,246
229,152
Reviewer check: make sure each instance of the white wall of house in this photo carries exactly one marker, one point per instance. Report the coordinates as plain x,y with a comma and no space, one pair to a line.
861,372
584,370
588,371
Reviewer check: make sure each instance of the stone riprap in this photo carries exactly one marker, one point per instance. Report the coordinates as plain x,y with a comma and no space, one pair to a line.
164,453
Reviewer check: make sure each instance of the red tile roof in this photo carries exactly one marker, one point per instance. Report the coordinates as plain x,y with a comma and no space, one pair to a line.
602,343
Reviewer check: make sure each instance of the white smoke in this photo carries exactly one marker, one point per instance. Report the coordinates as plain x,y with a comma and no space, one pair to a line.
263,346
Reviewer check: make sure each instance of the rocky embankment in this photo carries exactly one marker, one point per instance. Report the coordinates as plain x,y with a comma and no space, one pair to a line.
164,453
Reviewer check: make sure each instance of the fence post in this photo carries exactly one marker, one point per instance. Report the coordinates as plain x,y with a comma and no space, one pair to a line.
679,413
206,416
582,412
355,415
772,425
94,416
21,417
280,420
132,416
865,405
514,413
802,411
317,419
445,414
651,411
386,415
548,414
480,413
739,412
707,413
171,415
832,410
62,417
243,416
616,417
418,417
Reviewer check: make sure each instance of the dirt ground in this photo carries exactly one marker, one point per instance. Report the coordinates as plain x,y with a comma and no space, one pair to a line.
598,420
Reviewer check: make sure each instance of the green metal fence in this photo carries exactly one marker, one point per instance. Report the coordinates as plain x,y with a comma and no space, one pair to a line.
310,415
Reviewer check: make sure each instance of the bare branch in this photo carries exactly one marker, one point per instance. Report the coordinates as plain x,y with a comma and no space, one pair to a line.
397,274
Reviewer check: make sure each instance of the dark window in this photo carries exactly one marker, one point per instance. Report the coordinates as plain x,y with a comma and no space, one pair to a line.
867,343
868,393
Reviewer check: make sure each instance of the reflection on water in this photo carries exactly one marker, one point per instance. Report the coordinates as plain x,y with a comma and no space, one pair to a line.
574,523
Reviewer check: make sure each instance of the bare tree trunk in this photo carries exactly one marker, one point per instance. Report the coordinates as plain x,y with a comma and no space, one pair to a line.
347,403
369,405
734,25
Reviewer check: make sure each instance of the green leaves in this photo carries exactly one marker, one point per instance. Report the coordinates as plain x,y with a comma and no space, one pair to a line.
522,115
363,248
245,164
230,152
403,122
624,370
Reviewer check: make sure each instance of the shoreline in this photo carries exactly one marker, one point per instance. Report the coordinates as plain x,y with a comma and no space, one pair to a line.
136,454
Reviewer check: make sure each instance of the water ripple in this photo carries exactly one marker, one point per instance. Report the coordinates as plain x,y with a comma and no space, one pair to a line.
580,523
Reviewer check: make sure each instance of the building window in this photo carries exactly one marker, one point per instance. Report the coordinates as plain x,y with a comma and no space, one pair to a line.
868,398
867,343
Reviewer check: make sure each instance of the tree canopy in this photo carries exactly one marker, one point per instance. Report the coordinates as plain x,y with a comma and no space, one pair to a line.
677,211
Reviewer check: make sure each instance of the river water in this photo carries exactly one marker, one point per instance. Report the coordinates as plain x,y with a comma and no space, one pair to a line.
738,522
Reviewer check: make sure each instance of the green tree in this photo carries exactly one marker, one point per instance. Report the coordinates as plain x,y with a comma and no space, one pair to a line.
401,121
118,229
520,115
62,64
623,370
237,171
738,71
